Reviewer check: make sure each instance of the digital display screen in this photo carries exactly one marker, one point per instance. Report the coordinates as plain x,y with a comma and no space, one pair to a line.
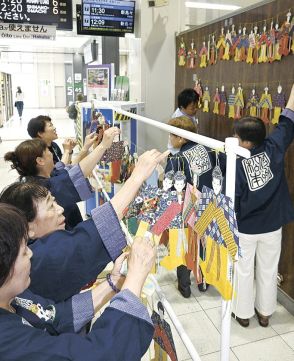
106,17
43,12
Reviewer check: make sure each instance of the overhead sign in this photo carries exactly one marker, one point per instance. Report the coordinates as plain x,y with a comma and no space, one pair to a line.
43,12
27,31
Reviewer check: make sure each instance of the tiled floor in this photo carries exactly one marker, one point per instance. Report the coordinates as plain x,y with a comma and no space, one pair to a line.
199,315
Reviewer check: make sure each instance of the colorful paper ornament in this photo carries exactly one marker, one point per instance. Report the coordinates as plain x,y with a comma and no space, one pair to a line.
279,103
277,55
265,105
271,43
203,55
243,45
206,100
216,101
191,56
253,102
212,51
263,44
228,41
284,43
231,103
236,46
252,46
182,53
221,44
223,101
239,103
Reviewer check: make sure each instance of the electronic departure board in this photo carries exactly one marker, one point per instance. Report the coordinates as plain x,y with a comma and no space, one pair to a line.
44,12
106,17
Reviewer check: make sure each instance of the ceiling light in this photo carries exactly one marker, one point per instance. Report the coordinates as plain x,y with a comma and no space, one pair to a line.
191,4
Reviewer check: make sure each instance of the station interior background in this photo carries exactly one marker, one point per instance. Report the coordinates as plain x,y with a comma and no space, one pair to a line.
148,59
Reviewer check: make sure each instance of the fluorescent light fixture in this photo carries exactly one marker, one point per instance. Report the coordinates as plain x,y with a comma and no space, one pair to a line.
191,4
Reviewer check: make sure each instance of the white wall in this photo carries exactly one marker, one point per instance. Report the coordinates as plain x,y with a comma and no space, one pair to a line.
158,29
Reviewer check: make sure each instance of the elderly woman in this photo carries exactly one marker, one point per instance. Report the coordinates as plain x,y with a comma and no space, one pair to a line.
33,161
64,261
37,329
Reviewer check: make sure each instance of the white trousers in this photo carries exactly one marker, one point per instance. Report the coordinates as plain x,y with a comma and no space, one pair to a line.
266,248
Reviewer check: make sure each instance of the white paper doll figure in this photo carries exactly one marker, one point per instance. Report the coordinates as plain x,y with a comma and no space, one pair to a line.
167,182
180,182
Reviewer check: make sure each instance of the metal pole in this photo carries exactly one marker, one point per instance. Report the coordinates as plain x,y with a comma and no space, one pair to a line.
230,144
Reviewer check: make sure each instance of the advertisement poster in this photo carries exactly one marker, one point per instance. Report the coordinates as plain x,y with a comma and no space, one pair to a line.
100,81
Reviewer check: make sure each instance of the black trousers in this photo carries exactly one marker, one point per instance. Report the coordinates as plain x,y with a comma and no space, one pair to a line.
183,275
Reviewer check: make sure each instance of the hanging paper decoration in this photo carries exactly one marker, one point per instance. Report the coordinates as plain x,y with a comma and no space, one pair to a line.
212,51
215,268
279,103
271,43
221,44
265,105
236,51
115,152
228,46
239,103
253,103
217,219
252,46
191,56
163,334
263,44
291,33
277,55
182,53
284,43
243,45
216,102
198,89
231,103
203,55
223,101
206,100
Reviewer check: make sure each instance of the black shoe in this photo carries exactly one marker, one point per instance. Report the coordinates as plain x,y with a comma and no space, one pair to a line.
262,320
203,287
244,322
184,291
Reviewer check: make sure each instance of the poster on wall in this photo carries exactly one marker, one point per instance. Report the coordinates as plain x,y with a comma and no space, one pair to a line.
99,81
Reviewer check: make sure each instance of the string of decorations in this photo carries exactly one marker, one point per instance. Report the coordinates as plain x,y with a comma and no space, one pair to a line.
266,45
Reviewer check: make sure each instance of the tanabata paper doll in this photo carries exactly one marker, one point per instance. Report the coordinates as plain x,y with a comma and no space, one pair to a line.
271,43
182,53
277,55
291,33
234,38
223,101
253,103
191,56
236,46
263,44
243,45
265,105
228,41
231,103
284,43
178,235
239,103
216,102
198,89
206,100
221,44
279,103
256,49
212,51
217,220
203,56
252,45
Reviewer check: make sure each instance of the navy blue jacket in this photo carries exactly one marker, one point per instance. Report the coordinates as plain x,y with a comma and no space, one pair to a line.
191,153
263,202
122,333
56,151
65,261
68,186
